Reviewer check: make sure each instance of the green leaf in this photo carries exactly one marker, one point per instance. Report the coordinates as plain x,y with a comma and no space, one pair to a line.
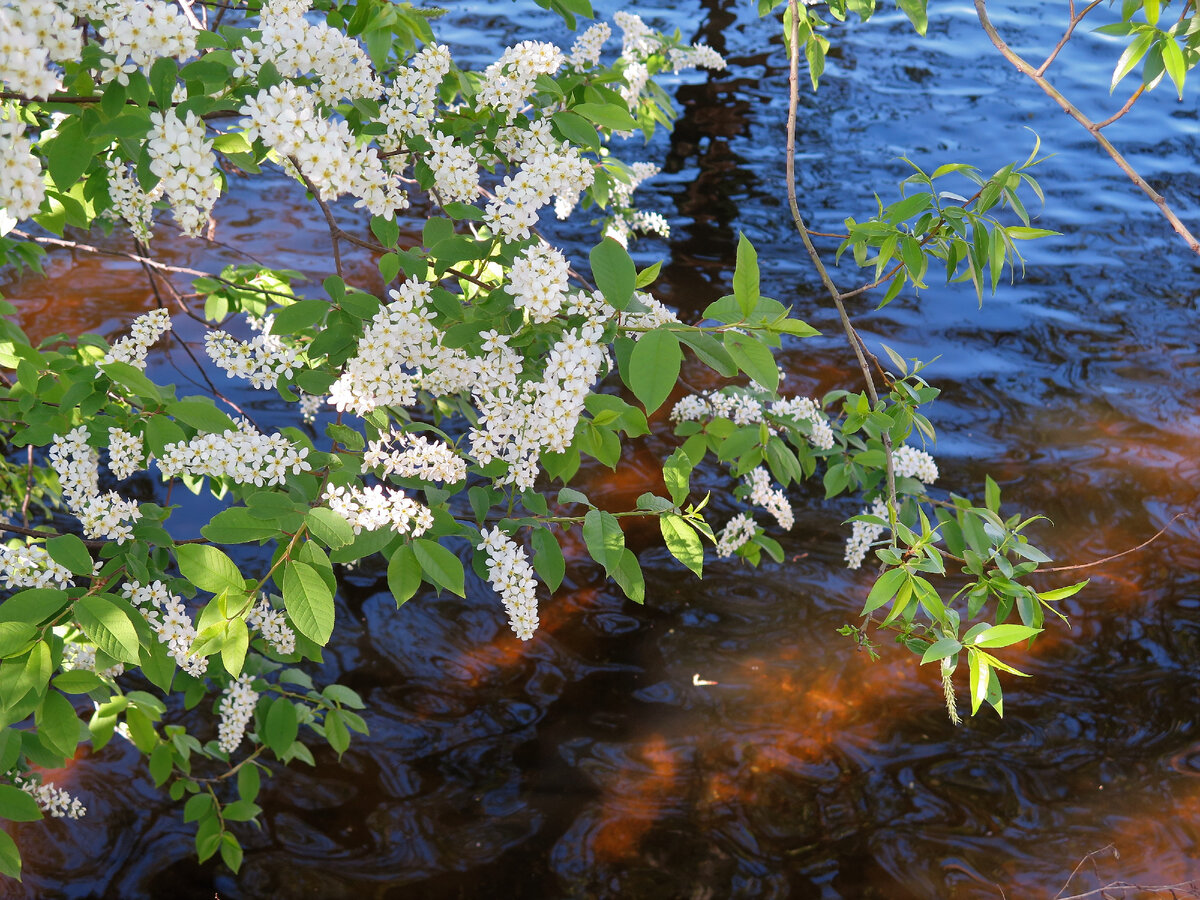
201,414
915,10
231,851
233,650
980,675
15,638
329,527
403,574
1063,592
683,542
745,276
108,627
309,601
614,272
443,568
10,856
68,154
1132,56
677,474
336,732
884,589
57,724
548,559
130,377
209,569
654,368
754,358
991,493
604,538
606,115
1004,635
78,681
299,316
281,727
249,780
939,650
70,552
17,806
1174,62
628,574
238,525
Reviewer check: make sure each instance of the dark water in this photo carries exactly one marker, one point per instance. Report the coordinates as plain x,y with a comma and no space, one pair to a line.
587,763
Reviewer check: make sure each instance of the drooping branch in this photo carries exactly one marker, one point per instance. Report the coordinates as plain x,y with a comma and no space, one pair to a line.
851,334
1093,128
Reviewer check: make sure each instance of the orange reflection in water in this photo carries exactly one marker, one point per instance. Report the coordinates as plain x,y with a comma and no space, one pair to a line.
636,800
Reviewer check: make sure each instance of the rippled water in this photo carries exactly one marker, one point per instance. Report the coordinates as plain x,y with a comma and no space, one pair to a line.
588,763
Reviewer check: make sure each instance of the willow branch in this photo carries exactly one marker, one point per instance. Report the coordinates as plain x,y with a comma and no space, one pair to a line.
847,326
1093,129
1062,41
1143,544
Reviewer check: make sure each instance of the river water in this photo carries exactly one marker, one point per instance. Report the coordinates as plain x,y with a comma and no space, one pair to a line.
589,762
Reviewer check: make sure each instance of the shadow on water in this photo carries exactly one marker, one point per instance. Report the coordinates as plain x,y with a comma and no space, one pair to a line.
722,740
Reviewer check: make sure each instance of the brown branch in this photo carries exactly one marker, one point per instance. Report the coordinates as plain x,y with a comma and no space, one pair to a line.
1145,543
848,327
329,220
162,267
1093,129
1062,41
1124,109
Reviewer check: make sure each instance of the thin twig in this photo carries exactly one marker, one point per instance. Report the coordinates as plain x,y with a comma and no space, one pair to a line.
1093,129
1062,41
851,334
1124,109
329,220
1146,543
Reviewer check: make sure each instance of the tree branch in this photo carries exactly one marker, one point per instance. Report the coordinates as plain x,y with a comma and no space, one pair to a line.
848,327
1073,111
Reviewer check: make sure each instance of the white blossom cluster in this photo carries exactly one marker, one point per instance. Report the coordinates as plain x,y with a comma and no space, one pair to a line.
455,171
129,202
244,455
549,170
262,360
186,166
34,33
864,534
512,577
743,409
135,33
31,567
736,533
538,281
167,616
517,425
771,499
637,38
50,799
21,187
236,710
298,47
622,225
651,314
412,95
310,406
273,627
508,82
586,49
106,516
697,56
125,453
400,353
288,121
414,456
375,507
145,331
909,462
82,658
